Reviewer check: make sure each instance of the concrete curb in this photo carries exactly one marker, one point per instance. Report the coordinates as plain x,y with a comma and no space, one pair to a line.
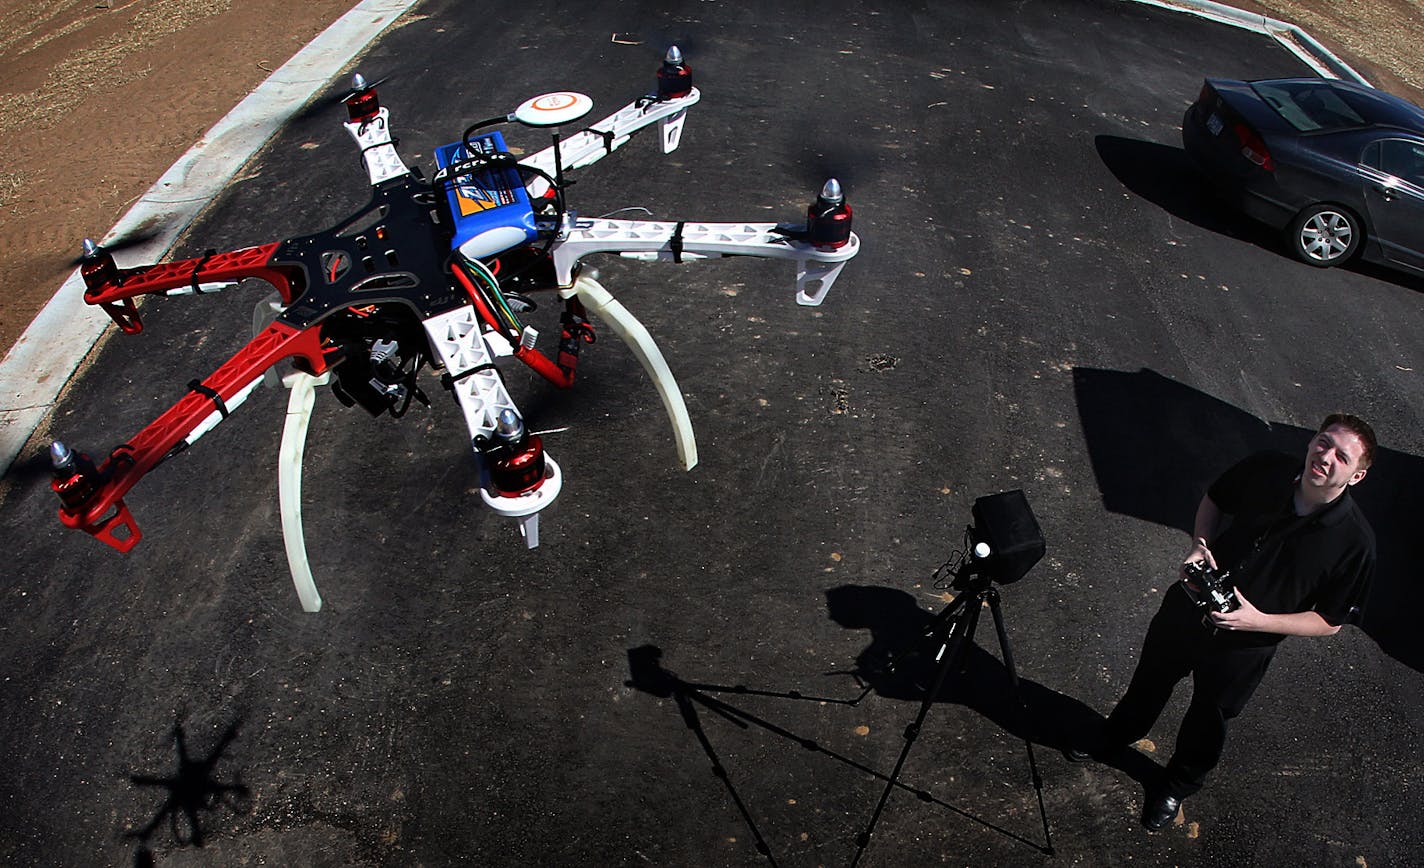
1291,37
41,362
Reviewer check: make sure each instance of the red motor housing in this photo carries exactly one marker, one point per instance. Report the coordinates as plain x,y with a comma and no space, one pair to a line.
828,220
674,77
516,470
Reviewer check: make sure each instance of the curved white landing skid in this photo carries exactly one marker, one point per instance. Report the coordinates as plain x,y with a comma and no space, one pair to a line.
289,482
636,336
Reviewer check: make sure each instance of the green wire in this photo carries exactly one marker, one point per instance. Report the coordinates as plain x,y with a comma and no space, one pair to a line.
487,277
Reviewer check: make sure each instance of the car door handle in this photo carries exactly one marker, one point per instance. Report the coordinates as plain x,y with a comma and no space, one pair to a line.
1387,192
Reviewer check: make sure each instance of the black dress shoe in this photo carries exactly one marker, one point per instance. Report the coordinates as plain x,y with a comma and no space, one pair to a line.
1160,811
1093,750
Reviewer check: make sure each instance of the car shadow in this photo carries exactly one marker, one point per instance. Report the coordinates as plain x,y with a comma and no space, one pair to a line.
1165,176
1156,444
1385,274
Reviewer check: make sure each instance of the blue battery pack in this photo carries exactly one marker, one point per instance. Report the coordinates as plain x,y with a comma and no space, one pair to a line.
490,206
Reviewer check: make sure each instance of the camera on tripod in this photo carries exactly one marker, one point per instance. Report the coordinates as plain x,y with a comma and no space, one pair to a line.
1000,547
1213,590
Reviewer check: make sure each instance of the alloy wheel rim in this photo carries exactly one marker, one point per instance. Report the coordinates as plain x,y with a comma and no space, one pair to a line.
1326,236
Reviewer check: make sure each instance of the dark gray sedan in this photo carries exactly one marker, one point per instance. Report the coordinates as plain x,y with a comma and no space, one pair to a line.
1338,166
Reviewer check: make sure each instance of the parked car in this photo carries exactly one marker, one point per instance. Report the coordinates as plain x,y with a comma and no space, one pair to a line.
1339,167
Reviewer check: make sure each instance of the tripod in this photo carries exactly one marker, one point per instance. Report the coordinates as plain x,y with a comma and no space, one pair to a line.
950,632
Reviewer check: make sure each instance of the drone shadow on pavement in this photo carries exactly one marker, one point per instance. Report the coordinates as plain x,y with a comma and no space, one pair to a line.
1156,444
191,790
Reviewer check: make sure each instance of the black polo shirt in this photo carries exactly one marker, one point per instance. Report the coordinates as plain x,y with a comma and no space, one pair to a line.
1285,563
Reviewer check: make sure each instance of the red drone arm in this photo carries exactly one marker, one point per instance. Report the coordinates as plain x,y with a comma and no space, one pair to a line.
102,512
115,288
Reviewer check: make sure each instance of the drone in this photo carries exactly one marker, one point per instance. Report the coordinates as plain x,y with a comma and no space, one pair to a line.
435,273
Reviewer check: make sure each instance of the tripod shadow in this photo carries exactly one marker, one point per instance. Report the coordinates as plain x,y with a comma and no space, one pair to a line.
648,675
192,789
981,684
1156,444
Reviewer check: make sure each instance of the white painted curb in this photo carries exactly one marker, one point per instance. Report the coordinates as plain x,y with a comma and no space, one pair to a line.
1292,38
40,363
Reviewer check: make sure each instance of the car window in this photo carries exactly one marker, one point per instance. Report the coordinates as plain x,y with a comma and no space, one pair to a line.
1398,157
1308,105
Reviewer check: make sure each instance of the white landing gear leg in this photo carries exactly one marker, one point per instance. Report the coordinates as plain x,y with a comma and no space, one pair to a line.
289,458
289,482
600,301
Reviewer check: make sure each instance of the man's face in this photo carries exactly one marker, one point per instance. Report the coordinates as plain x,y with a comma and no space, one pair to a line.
1333,459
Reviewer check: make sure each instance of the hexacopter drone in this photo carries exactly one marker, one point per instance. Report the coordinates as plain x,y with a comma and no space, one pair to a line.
435,273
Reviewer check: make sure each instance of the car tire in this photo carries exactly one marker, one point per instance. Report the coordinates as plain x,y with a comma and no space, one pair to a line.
1325,235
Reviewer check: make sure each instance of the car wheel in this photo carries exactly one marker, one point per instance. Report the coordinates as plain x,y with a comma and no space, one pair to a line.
1325,235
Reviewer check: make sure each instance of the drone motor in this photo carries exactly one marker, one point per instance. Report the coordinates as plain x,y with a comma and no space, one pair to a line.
515,457
75,476
674,76
828,220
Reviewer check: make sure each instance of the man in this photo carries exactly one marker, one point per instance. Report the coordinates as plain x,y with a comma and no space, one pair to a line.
1301,557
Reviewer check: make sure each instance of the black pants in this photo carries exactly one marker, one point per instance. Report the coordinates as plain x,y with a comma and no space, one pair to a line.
1224,675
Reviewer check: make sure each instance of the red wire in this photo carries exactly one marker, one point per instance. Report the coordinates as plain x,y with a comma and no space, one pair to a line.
477,299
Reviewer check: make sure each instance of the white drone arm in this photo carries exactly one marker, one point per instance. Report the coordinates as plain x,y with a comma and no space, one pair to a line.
467,352
816,267
378,152
608,135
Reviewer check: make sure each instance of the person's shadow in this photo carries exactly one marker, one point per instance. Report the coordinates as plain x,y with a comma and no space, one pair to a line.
981,683
1156,444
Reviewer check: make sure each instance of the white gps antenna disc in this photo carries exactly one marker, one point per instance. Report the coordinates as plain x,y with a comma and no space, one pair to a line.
553,109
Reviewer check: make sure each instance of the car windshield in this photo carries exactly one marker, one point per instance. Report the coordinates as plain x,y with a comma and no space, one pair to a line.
1310,105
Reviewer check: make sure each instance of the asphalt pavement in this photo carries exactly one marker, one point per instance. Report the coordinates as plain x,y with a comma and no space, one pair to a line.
1046,300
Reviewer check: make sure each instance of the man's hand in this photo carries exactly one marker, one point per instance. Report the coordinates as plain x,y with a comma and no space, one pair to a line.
1248,617
1199,553
1244,617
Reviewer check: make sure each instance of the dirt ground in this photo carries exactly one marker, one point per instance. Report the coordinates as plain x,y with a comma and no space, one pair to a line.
100,97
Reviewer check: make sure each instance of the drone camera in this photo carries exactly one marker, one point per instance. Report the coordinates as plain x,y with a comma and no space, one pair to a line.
828,220
387,378
674,76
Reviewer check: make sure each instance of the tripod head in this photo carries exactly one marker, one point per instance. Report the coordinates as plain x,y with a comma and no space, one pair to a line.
1000,547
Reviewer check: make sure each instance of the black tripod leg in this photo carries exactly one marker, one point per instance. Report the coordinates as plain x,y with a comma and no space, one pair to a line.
938,626
1025,721
953,642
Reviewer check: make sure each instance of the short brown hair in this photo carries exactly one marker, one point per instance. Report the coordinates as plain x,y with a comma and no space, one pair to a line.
1360,428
